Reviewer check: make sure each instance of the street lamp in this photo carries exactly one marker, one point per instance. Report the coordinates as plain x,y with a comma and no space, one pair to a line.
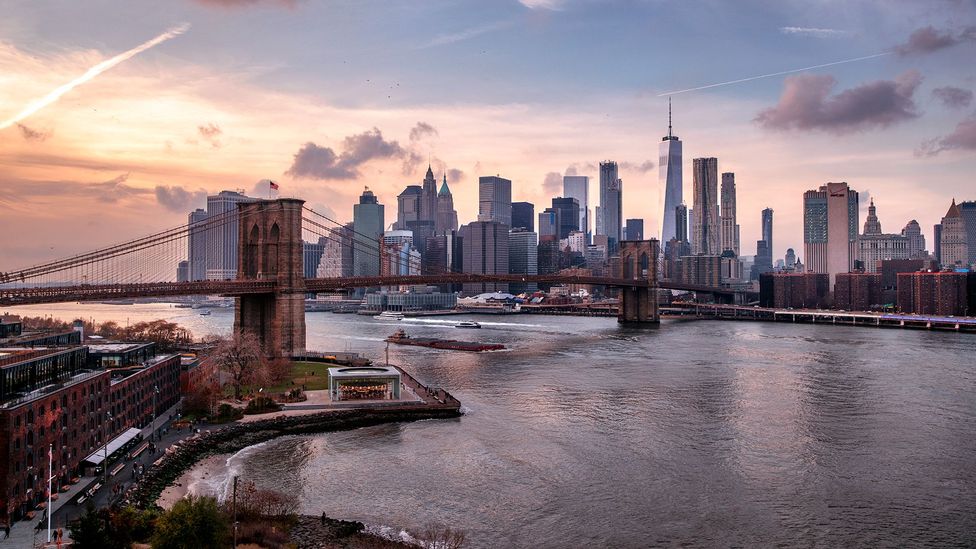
105,462
155,410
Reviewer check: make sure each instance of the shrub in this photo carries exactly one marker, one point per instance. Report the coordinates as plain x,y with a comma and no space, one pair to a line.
261,405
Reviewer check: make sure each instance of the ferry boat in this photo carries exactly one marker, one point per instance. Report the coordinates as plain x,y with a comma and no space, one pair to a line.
467,324
204,313
389,315
401,338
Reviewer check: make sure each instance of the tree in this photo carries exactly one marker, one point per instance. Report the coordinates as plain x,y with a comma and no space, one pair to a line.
241,358
192,523
90,531
442,537
200,400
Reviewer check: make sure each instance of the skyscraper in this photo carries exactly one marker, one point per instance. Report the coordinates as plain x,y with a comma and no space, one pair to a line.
730,229
830,225
485,251
916,240
549,225
312,256
197,245
705,239
495,199
428,198
634,229
968,211
681,222
447,220
767,229
523,216
569,216
669,175
578,187
337,260
409,205
523,257
221,239
368,224
611,204
955,241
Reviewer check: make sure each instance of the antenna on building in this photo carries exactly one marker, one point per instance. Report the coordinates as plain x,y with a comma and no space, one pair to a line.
669,116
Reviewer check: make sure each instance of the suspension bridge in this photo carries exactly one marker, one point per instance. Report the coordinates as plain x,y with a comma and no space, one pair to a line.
270,285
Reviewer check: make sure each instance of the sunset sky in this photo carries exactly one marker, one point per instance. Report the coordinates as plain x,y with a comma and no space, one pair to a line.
326,97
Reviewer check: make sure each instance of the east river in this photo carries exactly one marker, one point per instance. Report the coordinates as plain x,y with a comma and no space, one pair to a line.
701,433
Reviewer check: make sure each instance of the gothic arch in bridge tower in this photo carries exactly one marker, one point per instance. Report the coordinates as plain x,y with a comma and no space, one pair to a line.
251,260
638,304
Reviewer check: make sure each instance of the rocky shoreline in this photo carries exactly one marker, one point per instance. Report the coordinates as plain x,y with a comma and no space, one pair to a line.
231,438
327,533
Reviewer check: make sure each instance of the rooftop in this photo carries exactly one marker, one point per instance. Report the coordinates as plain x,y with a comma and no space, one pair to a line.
106,348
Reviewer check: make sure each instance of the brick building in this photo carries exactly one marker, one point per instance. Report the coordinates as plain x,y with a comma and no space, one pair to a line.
794,290
858,291
930,293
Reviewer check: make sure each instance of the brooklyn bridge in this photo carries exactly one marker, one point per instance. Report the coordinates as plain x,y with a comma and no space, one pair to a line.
270,286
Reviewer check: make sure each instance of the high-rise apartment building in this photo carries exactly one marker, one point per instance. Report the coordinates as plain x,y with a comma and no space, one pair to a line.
485,251
730,229
706,237
523,258
368,224
634,229
955,241
578,187
611,204
569,216
495,200
830,225
312,256
767,228
669,176
222,236
523,216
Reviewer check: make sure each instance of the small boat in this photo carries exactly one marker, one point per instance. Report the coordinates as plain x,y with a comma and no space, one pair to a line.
389,315
204,313
401,338
467,324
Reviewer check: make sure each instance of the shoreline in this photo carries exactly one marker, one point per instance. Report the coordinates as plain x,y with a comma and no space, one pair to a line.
182,457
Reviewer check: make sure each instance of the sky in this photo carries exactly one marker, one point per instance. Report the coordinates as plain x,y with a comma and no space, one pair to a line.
118,118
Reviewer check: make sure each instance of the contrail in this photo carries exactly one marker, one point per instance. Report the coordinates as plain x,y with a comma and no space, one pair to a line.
98,69
775,74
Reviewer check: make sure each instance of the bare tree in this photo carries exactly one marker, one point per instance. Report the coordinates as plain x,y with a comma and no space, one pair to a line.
240,356
442,537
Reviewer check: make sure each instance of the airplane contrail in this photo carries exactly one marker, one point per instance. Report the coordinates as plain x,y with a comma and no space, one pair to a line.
776,74
98,69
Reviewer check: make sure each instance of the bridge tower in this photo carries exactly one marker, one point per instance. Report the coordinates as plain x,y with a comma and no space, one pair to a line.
270,248
638,261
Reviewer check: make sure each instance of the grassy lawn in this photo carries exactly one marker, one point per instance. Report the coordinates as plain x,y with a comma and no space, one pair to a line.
314,375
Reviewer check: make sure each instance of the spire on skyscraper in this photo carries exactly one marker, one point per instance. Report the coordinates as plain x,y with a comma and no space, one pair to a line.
670,136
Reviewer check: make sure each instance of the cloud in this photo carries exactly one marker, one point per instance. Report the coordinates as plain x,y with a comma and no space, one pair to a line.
952,97
543,4
421,130
315,162
811,31
455,175
451,38
929,39
178,199
211,133
643,167
576,167
111,191
32,135
552,185
234,4
962,138
806,104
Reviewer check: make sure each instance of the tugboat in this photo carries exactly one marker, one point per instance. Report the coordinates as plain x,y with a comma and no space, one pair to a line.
205,313
401,338
467,324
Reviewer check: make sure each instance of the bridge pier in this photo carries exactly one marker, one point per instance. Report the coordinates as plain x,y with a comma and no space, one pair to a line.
270,248
638,304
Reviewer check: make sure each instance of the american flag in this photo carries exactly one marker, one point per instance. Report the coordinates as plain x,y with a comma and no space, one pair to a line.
273,185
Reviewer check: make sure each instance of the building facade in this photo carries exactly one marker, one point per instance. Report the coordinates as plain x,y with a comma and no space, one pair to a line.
611,204
670,182
523,258
933,293
221,236
368,224
954,239
873,246
634,229
830,229
916,240
495,200
447,219
569,215
706,238
578,187
523,216
727,215
485,250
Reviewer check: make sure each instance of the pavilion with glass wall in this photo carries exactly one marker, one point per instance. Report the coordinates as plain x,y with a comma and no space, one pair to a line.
364,383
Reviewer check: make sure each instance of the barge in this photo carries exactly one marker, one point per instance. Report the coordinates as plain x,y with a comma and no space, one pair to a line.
401,338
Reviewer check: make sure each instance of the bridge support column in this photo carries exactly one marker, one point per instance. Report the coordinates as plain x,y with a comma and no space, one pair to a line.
270,247
638,304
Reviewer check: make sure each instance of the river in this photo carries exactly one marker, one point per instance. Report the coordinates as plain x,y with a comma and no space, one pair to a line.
704,433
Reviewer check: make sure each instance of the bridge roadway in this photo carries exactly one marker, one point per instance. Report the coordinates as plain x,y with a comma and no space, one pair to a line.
100,292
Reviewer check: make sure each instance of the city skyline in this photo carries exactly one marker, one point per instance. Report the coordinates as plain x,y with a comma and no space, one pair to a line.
158,131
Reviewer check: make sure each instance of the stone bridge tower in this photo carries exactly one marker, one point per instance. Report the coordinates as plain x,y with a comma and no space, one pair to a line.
638,261
270,248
